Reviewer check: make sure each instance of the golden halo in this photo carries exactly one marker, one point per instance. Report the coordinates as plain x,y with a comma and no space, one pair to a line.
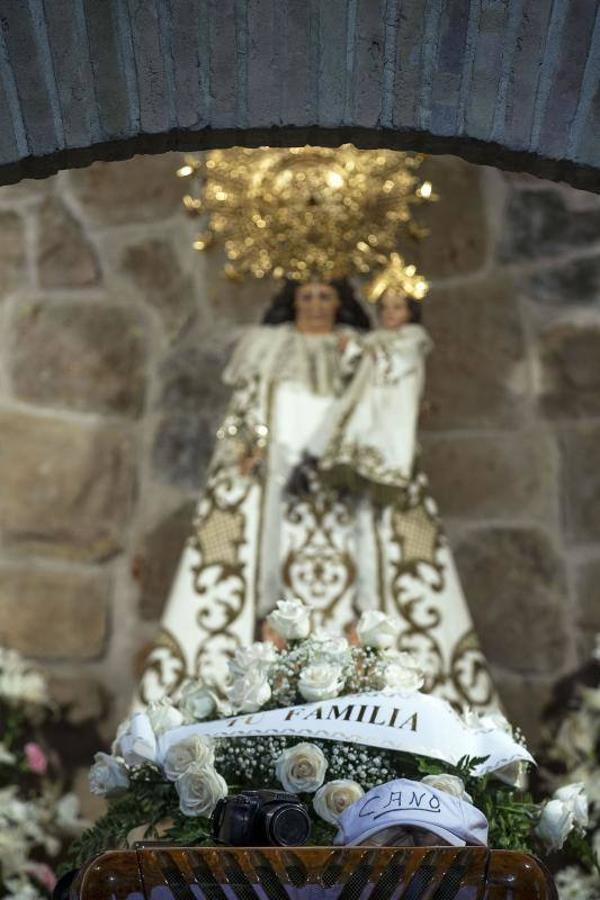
305,211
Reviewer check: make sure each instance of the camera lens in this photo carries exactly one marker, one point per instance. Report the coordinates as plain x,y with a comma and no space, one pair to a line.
287,826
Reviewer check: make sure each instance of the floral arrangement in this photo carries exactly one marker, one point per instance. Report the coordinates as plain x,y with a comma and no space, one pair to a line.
174,798
36,820
572,766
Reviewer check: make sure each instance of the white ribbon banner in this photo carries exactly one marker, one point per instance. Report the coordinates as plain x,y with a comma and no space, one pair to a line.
420,724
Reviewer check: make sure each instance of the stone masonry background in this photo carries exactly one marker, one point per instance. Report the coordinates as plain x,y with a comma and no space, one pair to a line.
113,335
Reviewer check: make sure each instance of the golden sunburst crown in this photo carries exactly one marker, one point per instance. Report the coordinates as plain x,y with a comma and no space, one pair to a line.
305,212
399,277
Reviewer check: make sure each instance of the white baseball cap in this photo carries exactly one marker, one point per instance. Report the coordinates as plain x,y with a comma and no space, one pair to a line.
404,802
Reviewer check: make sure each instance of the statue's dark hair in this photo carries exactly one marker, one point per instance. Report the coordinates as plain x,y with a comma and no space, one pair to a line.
350,312
415,310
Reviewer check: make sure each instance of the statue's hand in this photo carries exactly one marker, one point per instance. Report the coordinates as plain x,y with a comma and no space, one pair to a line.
249,463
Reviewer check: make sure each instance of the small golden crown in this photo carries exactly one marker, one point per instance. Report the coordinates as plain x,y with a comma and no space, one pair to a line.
397,277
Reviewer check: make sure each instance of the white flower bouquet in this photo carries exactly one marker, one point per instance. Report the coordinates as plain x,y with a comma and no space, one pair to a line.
571,766
36,820
279,723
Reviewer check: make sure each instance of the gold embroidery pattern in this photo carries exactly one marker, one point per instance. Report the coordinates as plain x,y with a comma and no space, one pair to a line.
469,674
319,567
163,668
219,536
417,533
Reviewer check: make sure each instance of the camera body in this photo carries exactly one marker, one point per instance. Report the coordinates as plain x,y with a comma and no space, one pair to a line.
260,819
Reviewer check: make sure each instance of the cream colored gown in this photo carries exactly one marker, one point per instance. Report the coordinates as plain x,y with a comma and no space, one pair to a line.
367,535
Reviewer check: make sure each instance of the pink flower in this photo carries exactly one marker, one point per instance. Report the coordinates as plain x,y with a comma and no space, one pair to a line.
43,874
36,758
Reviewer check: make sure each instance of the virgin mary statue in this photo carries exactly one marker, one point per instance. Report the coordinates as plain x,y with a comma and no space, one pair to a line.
276,521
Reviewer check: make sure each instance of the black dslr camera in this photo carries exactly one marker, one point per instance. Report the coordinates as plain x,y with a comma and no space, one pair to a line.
261,818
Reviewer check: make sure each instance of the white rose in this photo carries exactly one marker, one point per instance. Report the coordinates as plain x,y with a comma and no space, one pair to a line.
136,741
320,681
488,721
376,629
6,757
555,824
200,788
333,798
590,698
301,769
163,716
291,620
68,815
197,701
194,749
574,796
249,692
449,784
575,738
402,679
108,776
259,655
330,648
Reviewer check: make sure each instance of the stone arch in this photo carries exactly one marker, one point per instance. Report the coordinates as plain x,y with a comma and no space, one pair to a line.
513,83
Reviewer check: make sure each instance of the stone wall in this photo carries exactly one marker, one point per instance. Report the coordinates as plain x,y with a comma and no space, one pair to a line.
113,334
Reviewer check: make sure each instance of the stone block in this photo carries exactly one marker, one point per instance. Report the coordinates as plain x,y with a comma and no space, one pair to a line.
183,446
581,483
81,699
333,64
191,84
141,189
524,700
191,374
28,60
528,55
67,488
489,54
113,67
450,249
539,223
158,556
483,476
514,582
151,43
28,191
68,34
476,373
573,283
193,401
445,75
300,65
569,69
66,258
264,43
223,76
570,361
369,62
243,303
87,357
587,580
153,267
52,614
410,43
12,251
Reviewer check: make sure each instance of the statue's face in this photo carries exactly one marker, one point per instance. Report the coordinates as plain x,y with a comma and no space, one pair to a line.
394,310
316,304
